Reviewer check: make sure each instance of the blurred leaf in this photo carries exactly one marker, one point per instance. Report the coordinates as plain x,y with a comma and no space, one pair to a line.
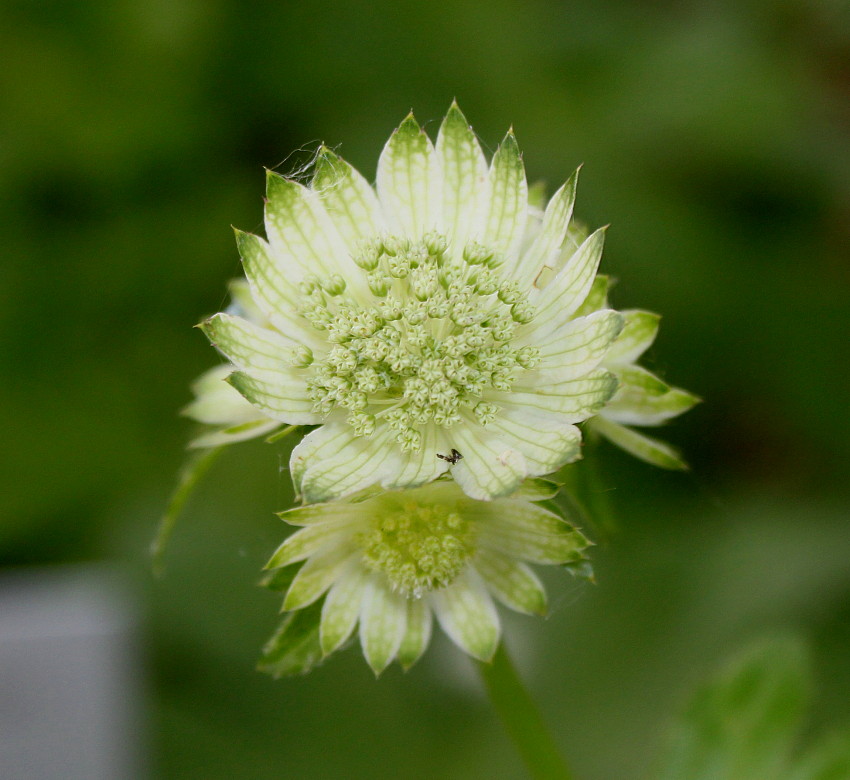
829,760
281,578
584,497
294,648
742,724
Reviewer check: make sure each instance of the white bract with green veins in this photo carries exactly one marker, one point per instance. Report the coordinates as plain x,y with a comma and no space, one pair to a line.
642,398
420,318
389,561
227,416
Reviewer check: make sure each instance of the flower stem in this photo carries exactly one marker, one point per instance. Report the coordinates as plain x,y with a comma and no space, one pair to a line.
522,718
194,468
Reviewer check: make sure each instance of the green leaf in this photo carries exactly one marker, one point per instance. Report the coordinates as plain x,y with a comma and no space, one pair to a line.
294,648
741,725
193,469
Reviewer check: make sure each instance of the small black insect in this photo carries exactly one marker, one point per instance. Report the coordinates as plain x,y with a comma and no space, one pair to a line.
453,458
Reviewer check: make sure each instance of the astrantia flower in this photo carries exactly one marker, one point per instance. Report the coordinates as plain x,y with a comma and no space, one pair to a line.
410,322
391,560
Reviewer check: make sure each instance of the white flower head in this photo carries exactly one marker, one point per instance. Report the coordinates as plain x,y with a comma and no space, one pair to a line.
409,322
389,561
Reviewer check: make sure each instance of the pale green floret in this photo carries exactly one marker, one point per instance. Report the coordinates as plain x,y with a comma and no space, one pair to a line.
390,560
419,548
436,336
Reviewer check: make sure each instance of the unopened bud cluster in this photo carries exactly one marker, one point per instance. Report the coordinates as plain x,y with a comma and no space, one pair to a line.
420,548
436,336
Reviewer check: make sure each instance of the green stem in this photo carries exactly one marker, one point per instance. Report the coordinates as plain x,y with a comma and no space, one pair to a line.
598,494
522,719
586,488
281,434
193,469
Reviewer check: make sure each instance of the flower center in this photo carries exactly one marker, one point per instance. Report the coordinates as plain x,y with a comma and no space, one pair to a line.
436,337
419,548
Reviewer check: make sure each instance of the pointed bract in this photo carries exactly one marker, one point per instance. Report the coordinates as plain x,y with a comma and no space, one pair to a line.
383,621
646,448
553,231
467,614
417,635
465,183
507,210
349,200
409,181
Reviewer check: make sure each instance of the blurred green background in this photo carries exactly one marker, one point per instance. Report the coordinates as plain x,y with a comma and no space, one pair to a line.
716,141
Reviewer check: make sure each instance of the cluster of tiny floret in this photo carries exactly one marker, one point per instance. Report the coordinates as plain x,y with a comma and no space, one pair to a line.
435,336
420,548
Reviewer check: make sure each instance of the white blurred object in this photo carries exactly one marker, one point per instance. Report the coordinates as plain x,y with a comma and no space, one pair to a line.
70,693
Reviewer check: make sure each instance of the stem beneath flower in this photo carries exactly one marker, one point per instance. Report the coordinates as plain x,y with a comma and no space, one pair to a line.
281,434
522,718
194,468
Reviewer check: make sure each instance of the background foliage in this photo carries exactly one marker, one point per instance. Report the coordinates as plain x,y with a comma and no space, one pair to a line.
715,141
